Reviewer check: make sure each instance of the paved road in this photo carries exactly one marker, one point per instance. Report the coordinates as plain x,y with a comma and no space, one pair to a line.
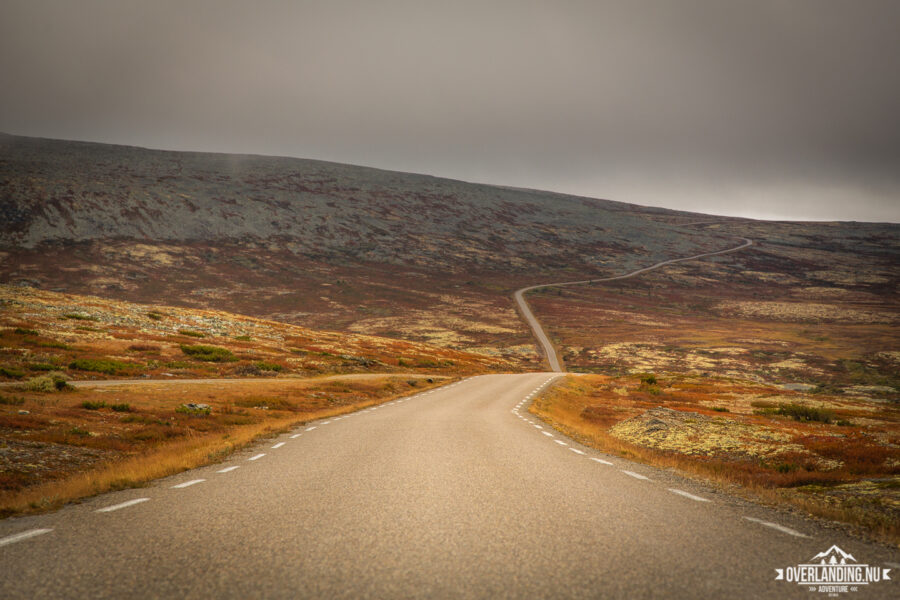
454,493
546,346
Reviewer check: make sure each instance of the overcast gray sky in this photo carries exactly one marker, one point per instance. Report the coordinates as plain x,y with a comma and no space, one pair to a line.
768,109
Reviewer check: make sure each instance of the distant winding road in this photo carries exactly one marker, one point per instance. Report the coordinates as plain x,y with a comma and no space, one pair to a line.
546,345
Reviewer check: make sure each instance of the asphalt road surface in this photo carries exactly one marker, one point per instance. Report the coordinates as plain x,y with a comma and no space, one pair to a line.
546,346
454,493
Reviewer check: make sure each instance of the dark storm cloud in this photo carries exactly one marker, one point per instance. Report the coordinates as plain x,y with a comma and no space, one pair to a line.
785,108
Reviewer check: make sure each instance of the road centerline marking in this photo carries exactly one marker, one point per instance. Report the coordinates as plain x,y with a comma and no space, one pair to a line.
121,505
601,461
228,469
576,451
188,483
278,445
296,435
547,433
18,537
257,457
560,442
635,475
310,428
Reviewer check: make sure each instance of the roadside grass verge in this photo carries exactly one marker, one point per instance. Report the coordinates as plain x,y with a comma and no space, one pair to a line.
144,436
822,467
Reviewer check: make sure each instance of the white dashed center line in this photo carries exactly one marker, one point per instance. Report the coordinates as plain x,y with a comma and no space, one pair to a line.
12,539
635,475
188,483
228,469
122,505
278,445
547,433
687,495
257,457
310,428
295,436
778,527
601,461
560,442
576,450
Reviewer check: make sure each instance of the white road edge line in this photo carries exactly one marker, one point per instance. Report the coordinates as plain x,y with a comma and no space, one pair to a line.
635,475
601,461
257,457
228,469
122,505
778,527
12,539
188,483
688,495
278,445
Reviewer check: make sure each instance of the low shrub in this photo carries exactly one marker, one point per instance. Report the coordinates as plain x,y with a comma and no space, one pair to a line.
144,348
190,333
243,338
24,331
648,379
12,400
800,412
720,409
93,404
51,382
155,316
41,367
208,353
54,344
109,367
11,372
268,366
194,409
123,407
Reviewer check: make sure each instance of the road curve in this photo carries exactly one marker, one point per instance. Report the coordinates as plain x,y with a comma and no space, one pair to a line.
546,345
453,493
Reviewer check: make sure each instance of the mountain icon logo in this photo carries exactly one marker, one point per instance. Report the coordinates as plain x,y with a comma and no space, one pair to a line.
833,556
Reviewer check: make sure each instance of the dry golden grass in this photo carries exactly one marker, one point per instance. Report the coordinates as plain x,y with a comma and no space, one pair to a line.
821,478
152,440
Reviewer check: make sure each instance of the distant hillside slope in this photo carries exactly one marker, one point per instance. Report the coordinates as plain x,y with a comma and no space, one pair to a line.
355,249
75,192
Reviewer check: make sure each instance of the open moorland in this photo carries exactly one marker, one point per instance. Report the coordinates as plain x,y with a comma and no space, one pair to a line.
203,384
776,368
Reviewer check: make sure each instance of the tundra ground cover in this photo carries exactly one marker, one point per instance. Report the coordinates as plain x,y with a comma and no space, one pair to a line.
59,446
133,340
732,432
